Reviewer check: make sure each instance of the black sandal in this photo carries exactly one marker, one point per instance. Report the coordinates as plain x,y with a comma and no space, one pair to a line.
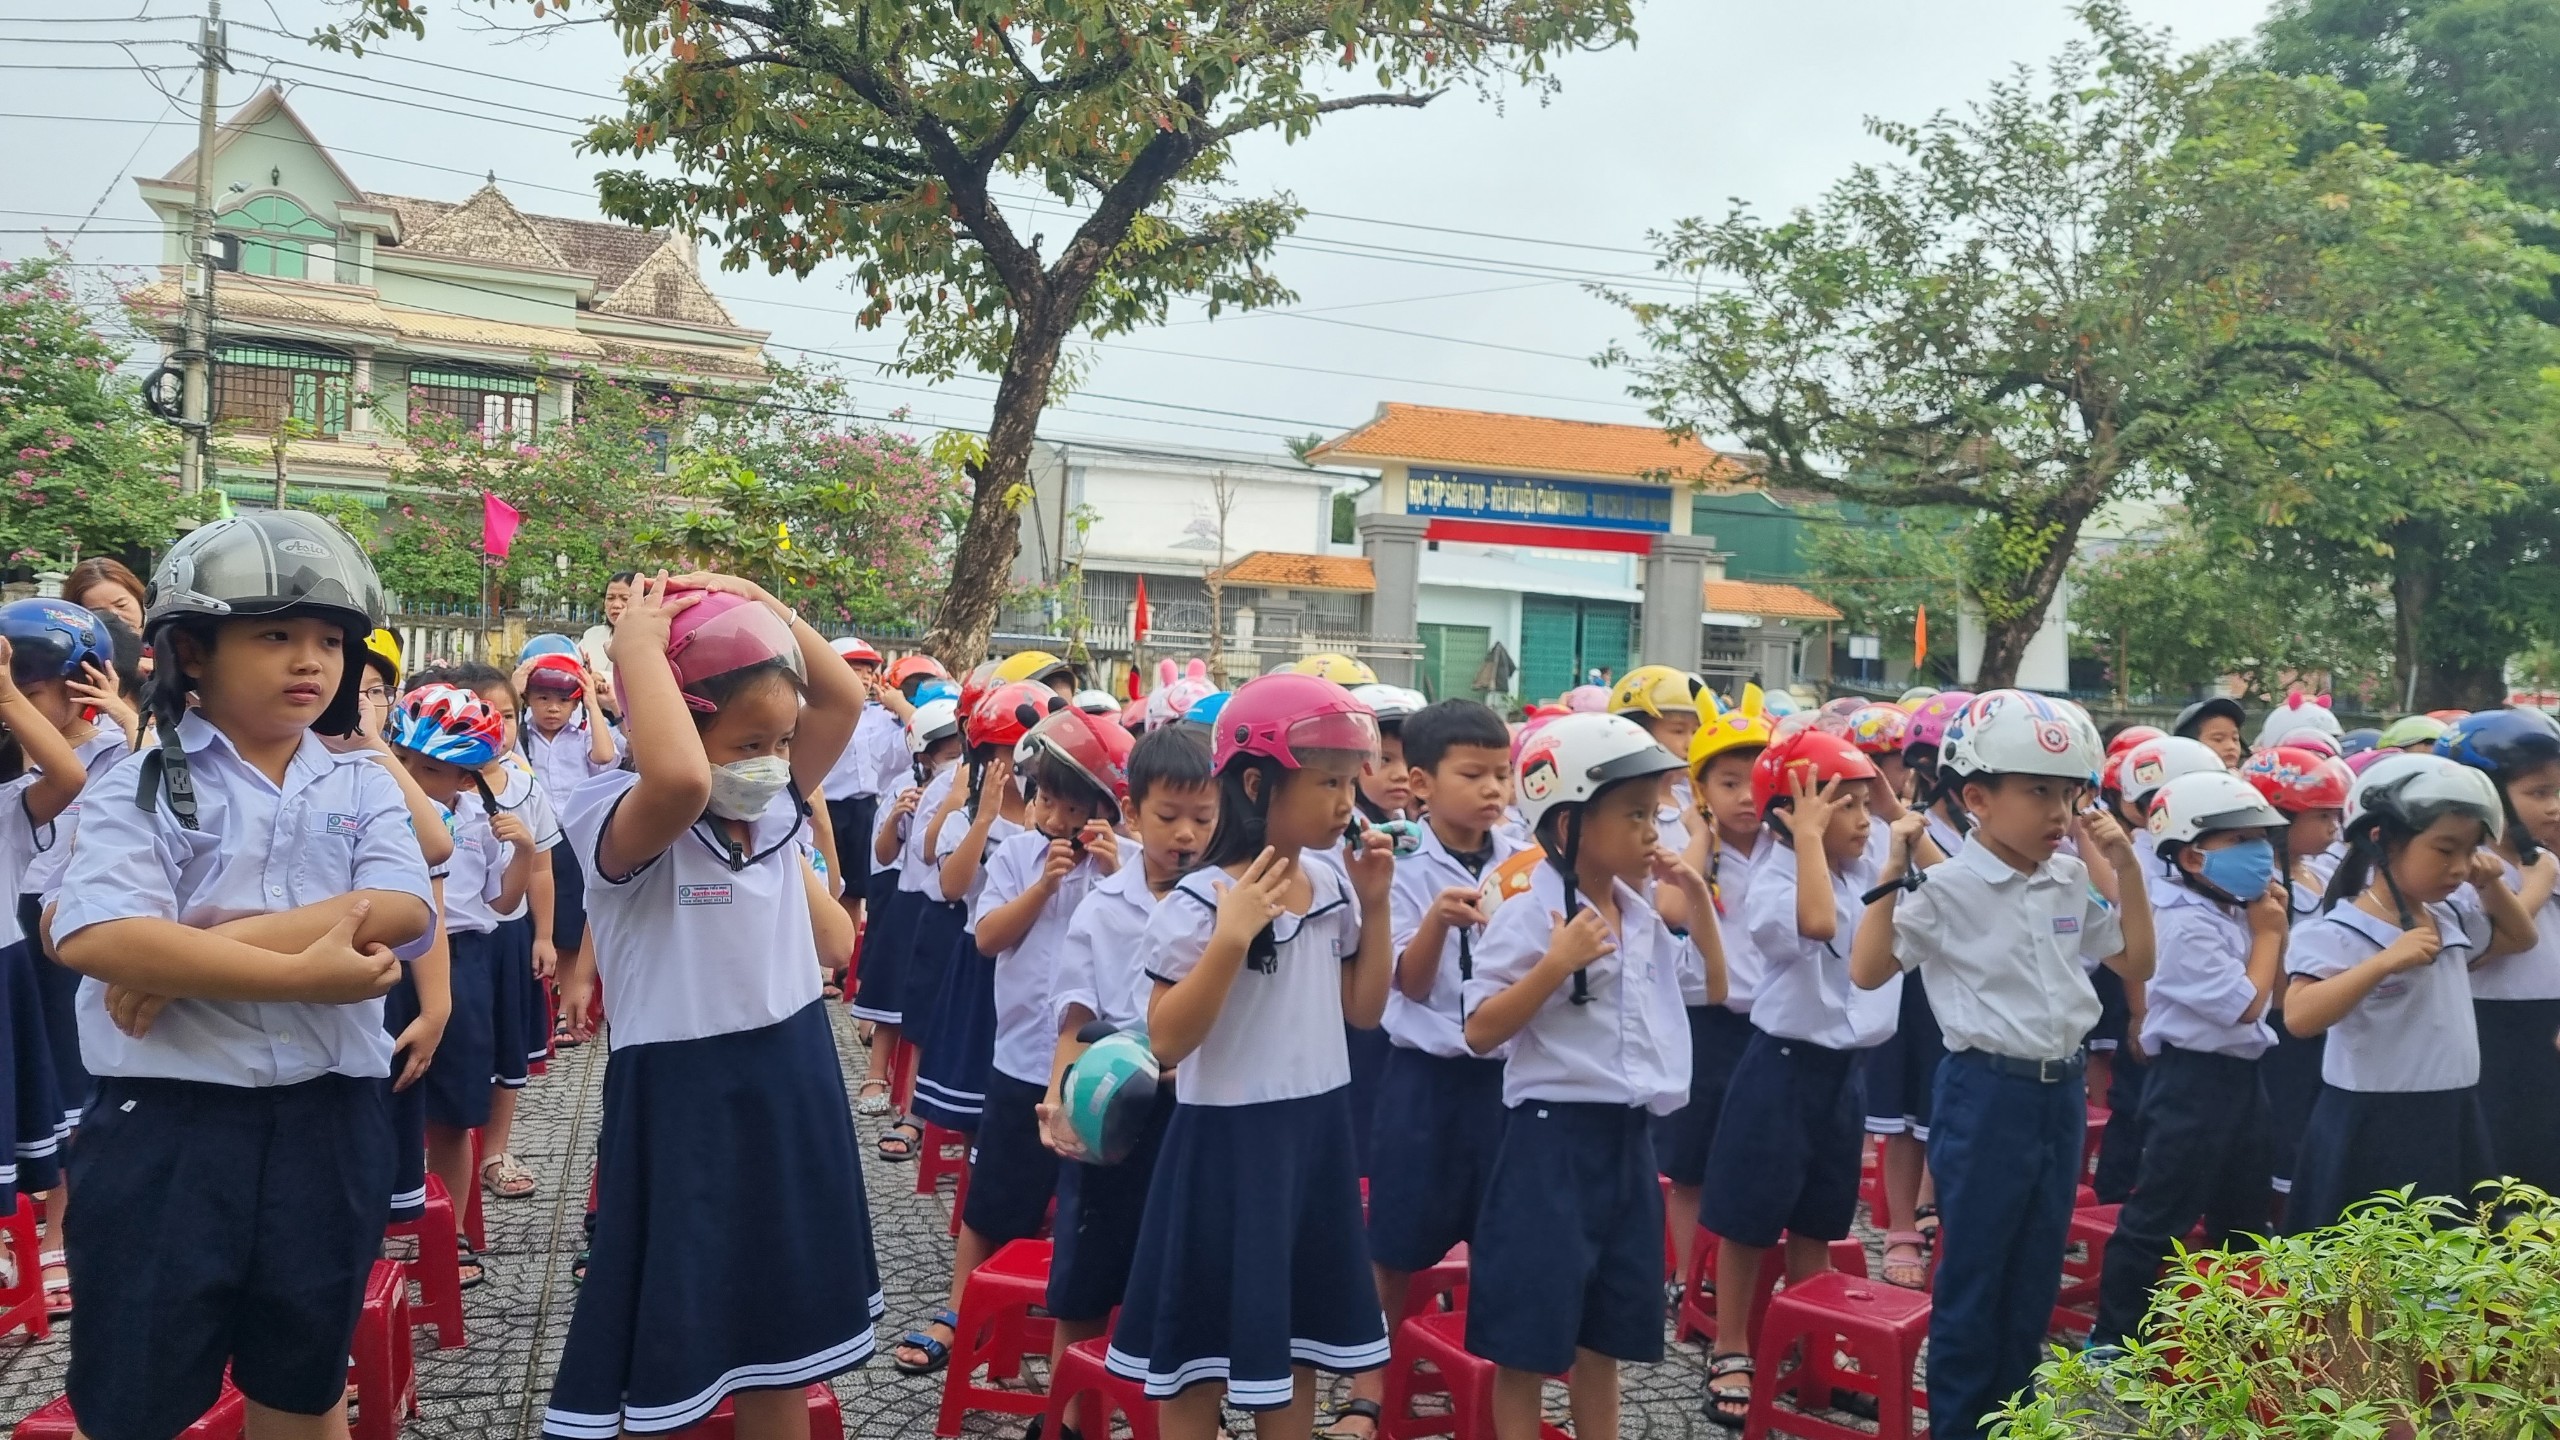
1722,1402
1355,1410
907,1135
467,1262
1924,1219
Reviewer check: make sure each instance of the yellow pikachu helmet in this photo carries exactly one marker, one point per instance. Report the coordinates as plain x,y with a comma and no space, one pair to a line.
1745,726
1342,670
382,648
1032,665
1656,689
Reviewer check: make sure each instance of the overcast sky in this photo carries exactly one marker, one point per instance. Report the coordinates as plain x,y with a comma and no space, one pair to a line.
1428,223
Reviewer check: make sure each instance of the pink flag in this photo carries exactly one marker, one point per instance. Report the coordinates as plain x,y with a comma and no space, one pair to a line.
498,522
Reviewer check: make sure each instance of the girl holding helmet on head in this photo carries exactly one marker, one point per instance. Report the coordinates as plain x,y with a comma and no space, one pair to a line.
2385,972
2310,791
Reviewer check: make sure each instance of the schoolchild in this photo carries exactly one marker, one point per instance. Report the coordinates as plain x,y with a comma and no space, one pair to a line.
1101,986
1897,1072
1725,847
732,1256
568,740
2515,998
1997,933
231,900
1251,1272
2219,922
43,644
1671,706
2385,972
895,889
2310,791
1579,976
1787,1150
2215,722
956,1042
854,787
1028,891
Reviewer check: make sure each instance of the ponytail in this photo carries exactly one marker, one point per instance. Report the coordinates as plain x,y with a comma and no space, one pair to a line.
1242,815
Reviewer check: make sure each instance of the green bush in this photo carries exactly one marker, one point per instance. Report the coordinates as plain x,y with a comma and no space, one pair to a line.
2407,1320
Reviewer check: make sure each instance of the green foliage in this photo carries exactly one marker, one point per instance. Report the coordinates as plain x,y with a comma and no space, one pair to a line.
88,471
2190,609
2142,274
2421,1320
1879,573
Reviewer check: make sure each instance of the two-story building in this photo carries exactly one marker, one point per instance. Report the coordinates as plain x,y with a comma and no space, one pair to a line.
352,311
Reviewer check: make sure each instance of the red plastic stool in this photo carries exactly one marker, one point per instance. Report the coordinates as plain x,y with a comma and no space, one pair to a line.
826,1419
2076,1308
933,1164
1082,1375
1670,1251
1442,1287
437,1271
22,1303
1698,1303
385,1372
1880,1326
997,1328
2091,1138
1439,1340
227,1420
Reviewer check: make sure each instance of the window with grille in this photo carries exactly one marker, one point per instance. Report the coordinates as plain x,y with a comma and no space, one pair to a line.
261,385
280,238
486,401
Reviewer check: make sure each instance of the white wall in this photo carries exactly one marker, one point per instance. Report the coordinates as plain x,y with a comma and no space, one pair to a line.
1159,512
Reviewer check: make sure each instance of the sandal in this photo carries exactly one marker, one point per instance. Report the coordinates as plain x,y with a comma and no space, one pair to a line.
510,1182
1726,1405
57,1284
1367,1410
906,1135
829,988
872,1098
1924,1220
468,1261
1911,1272
937,1353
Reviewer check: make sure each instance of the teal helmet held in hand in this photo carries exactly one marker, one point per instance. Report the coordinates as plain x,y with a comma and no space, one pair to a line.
1108,1093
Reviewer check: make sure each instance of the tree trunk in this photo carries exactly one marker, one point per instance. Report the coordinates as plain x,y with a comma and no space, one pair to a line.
2004,643
982,564
2413,587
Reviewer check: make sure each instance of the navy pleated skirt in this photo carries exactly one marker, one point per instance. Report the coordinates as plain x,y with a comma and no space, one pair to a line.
408,1108
732,1246
32,1109
1251,1258
524,1030
888,931
58,987
2290,1074
2361,1142
958,1034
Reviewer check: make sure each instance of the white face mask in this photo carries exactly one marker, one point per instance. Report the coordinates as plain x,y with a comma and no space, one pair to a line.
744,789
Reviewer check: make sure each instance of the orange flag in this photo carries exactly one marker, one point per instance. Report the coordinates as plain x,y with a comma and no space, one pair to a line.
1920,639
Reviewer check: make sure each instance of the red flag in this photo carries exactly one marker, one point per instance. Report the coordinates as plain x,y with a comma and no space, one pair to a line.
1138,617
498,522
1920,639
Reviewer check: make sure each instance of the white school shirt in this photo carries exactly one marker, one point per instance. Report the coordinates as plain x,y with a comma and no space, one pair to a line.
338,824
526,797
892,764
1435,1026
563,764
686,946
2000,952
1099,963
2412,1032
472,876
17,852
52,842
856,773
1279,1035
2200,986
1805,990
1731,885
2532,974
1026,1025
916,868
955,829
1629,1045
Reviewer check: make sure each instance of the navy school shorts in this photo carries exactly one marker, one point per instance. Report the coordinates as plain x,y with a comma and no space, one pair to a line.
1438,1127
1787,1152
1568,1251
1011,1174
1683,1138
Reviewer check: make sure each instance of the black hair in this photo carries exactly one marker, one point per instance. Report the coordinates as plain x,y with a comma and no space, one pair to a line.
1243,817
124,643
726,686
1173,757
2108,732
1056,776
1444,725
622,577
2371,841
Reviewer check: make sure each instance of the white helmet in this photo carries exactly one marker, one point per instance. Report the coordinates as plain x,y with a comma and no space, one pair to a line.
933,720
2194,806
2298,712
2155,763
1573,757
1097,702
1391,702
2013,732
2415,791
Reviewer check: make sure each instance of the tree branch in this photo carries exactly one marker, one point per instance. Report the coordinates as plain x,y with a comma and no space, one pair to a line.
1254,121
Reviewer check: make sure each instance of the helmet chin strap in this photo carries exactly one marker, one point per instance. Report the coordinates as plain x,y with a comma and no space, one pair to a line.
1569,822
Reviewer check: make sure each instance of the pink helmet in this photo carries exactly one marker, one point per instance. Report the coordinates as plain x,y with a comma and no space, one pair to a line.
2364,760
1521,732
1587,700
1928,727
1278,715
721,634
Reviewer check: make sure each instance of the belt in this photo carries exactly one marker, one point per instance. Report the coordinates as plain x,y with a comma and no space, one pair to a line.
2043,1072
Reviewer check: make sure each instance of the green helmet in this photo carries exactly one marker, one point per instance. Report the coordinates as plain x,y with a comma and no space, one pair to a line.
1109,1093
2410,730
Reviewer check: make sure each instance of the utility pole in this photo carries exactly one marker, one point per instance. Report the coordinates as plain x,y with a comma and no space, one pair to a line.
195,353
284,433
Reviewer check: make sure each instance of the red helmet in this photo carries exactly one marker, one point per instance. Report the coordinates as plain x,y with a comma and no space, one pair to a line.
2130,736
975,685
1094,746
1810,752
1005,714
1277,715
916,667
2295,779
854,650
721,634
555,675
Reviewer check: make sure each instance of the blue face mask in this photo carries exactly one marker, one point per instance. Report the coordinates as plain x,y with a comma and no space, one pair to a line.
2241,871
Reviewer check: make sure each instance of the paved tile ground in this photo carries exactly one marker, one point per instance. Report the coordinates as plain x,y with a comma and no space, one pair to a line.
494,1387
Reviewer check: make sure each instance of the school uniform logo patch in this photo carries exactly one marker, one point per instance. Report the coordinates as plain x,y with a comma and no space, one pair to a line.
342,824
717,894
2066,924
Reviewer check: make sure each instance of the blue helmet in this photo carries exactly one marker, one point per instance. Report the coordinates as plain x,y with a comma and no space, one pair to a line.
52,640
2356,742
933,690
1204,711
2503,742
553,644
448,723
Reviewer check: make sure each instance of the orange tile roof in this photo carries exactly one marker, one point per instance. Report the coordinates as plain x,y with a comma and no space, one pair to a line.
1777,602
1436,434
1282,569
